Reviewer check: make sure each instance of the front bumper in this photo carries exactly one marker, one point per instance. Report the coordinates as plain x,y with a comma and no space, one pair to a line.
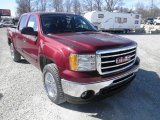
75,89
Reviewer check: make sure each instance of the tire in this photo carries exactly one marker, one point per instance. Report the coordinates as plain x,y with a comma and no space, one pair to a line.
125,31
155,23
52,84
14,53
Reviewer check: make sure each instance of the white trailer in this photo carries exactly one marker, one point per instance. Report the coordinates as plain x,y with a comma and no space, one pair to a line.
114,21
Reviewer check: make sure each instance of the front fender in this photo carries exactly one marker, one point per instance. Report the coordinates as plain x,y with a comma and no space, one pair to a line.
55,55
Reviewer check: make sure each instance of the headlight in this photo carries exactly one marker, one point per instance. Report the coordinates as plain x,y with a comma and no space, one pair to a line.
82,62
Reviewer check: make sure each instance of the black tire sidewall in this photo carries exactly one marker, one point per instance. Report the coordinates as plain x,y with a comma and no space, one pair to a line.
11,45
16,54
52,69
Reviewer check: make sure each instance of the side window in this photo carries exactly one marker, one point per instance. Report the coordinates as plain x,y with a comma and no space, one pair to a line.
136,22
118,20
81,24
33,23
100,15
22,23
137,16
124,20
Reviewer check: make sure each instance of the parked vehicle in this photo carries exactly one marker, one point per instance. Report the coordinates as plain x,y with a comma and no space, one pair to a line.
157,21
1,24
79,63
114,21
149,21
6,24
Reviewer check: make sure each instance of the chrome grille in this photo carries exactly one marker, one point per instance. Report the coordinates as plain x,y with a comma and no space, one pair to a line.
106,59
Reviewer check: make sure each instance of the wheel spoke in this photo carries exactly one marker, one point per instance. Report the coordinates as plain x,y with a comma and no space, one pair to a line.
50,85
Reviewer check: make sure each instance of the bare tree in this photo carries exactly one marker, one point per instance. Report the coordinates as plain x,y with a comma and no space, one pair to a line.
23,6
98,4
76,6
146,11
58,5
68,5
111,4
36,4
43,5
141,9
40,5
88,5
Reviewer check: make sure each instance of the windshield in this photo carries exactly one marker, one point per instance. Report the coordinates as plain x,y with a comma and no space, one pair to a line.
60,23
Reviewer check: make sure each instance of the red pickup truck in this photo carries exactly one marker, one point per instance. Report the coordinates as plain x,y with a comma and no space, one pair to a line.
79,63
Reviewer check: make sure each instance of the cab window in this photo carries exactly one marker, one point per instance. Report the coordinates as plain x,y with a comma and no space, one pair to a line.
33,23
22,23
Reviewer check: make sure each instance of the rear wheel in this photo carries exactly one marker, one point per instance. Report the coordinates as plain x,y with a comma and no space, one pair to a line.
126,31
14,53
52,83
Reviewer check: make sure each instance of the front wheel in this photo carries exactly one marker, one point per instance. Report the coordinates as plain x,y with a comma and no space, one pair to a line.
52,83
14,53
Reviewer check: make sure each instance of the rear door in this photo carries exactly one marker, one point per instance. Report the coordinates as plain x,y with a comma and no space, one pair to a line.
30,47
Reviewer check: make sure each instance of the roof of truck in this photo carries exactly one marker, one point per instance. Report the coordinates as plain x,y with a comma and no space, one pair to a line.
41,13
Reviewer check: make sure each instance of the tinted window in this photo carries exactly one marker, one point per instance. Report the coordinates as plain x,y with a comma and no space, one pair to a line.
124,20
33,23
100,15
137,16
59,23
118,20
150,18
136,22
23,22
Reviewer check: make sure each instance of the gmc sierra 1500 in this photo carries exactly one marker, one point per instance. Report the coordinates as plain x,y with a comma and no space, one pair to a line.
79,63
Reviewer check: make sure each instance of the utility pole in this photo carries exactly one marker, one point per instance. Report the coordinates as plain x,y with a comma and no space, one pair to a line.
152,4
151,11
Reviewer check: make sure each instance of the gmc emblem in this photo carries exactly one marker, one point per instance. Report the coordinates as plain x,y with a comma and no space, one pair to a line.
122,59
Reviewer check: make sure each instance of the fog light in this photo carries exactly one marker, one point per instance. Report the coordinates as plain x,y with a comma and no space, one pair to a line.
84,94
87,94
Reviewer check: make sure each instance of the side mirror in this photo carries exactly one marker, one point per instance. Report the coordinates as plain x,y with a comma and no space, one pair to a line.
29,31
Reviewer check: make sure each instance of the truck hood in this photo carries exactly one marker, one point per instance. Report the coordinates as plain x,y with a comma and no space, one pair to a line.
92,40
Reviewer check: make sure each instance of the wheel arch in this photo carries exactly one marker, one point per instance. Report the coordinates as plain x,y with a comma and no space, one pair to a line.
9,41
43,60
50,54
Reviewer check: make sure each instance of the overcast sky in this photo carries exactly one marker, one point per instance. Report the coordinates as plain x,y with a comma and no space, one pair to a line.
11,4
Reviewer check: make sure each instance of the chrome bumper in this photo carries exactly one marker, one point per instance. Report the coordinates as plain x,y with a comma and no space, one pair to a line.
76,89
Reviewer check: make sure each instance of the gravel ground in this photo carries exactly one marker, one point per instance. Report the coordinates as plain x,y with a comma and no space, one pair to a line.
22,96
